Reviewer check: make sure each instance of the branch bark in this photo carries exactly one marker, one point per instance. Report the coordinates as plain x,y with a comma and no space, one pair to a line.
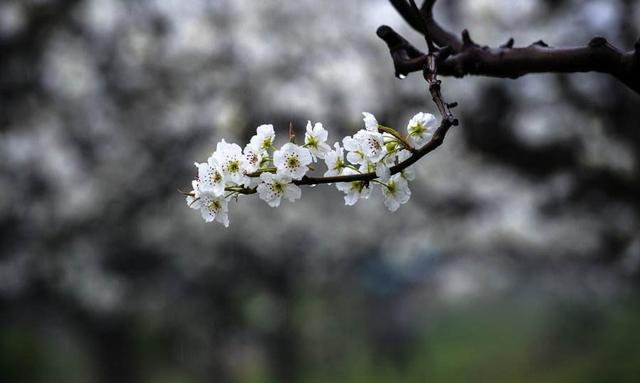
465,57
440,36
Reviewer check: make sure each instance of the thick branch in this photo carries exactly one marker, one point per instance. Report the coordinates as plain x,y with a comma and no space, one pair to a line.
507,62
439,35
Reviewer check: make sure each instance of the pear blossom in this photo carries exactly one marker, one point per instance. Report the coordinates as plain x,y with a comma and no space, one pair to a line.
233,170
396,192
292,160
211,208
370,122
353,190
233,163
276,186
211,177
371,144
315,139
421,128
335,161
264,137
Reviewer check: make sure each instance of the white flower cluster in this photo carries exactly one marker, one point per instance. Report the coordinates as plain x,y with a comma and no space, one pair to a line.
273,173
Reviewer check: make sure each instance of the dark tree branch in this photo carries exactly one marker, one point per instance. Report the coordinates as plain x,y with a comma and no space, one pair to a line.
439,35
464,57
423,26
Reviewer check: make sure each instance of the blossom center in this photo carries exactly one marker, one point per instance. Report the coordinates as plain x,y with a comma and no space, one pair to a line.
292,162
234,166
214,206
278,187
312,141
417,129
392,188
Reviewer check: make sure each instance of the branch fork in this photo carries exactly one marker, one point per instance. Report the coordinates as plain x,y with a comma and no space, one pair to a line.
468,58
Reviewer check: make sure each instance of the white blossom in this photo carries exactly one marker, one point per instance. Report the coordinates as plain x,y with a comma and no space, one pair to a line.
371,144
421,128
211,177
353,190
292,160
232,162
263,140
211,208
367,151
335,161
396,192
315,139
276,186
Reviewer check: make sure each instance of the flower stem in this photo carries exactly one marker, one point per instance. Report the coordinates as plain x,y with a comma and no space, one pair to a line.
397,135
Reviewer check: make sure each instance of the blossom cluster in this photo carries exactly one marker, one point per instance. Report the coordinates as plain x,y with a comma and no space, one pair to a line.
274,173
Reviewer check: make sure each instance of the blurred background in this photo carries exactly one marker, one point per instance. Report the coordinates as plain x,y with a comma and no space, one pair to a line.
516,260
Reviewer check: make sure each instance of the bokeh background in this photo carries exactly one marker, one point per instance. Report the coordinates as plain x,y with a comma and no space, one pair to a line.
516,260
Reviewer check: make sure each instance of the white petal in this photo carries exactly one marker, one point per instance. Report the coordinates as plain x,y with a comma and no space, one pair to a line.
305,156
274,202
343,186
321,132
265,130
292,192
370,122
391,204
207,214
283,179
267,177
365,193
350,144
355,158
383,171
351,198
223,218
193,203
278,158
